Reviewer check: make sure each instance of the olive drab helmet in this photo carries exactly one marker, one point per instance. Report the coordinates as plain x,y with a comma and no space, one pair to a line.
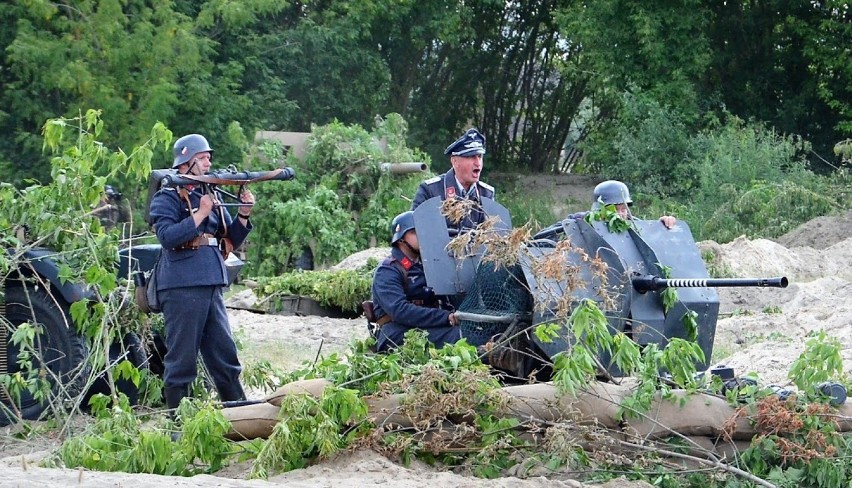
401,224
610,192
188,146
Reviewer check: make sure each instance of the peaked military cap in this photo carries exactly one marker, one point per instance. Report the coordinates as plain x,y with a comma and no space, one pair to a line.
470,144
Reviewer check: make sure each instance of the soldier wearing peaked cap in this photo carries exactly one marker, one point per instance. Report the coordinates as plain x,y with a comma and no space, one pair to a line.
462,181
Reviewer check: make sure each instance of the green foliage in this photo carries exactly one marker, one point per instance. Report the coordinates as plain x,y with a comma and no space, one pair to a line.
121,441
140,63
58,215
819,362
341,202
749,181
309,428
650,149
345,289
608,215
29,377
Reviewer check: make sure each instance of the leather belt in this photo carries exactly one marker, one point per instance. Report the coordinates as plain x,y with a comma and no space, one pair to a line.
387,318
202,240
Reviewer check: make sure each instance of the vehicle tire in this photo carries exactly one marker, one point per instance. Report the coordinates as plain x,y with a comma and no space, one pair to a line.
59,348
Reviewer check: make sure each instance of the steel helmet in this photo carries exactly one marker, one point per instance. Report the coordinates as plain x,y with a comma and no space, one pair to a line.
610,192
401,224
188,146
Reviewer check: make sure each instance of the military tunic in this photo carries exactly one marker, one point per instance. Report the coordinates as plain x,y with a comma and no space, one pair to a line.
190,285
446,186
393,297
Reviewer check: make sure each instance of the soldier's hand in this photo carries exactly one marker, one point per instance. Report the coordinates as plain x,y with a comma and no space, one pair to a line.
454,321
668,221
246,197
205,206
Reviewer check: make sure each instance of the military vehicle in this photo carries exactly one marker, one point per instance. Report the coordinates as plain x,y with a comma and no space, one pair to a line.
624,273
34,292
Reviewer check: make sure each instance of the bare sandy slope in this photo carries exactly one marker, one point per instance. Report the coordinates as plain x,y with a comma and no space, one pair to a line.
761,331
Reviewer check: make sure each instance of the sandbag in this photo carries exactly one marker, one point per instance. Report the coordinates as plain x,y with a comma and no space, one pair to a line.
700,415
313,387
384,412
251,421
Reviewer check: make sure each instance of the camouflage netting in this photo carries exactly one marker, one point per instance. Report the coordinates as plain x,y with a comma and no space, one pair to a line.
496,291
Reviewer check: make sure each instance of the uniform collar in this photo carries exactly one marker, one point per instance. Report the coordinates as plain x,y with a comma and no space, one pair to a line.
450,181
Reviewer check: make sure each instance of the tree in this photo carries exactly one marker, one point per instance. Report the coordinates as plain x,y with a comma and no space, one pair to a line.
137,63
786,63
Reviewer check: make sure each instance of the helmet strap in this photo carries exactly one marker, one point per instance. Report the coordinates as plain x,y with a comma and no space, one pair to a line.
408,250
189,168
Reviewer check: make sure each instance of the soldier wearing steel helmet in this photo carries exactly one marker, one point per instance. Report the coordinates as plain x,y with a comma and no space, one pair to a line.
401,299
610,192
462,181
191,274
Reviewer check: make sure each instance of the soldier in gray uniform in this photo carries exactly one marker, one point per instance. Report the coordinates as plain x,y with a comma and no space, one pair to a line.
610,192
191,226
462,181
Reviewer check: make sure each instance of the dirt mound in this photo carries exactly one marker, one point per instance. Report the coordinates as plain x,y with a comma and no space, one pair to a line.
763,330
361,258
819,233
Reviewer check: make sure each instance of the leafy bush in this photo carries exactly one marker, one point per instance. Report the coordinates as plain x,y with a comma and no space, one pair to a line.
340,202
59,215
648,148
345,289
750,181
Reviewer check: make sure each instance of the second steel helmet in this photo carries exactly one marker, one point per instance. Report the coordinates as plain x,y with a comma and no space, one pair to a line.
188,146
610,192
401,224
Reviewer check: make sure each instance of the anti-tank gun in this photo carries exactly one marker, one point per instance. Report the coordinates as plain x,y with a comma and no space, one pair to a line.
647,281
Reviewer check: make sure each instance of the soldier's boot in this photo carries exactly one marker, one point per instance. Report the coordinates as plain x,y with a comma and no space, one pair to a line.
231,392
174,394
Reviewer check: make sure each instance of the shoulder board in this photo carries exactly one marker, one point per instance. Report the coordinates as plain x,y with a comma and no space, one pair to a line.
486,186
168,188
433,180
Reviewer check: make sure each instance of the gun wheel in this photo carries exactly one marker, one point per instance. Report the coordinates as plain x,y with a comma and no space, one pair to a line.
58,355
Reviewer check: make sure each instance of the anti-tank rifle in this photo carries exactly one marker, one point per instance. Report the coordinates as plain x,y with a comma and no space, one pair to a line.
163,178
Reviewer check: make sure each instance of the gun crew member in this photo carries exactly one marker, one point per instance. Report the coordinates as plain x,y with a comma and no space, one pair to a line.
610,192
462,181
192,227
401,299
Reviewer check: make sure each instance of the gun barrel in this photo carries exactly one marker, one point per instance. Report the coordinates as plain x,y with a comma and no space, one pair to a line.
646,283
402,168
